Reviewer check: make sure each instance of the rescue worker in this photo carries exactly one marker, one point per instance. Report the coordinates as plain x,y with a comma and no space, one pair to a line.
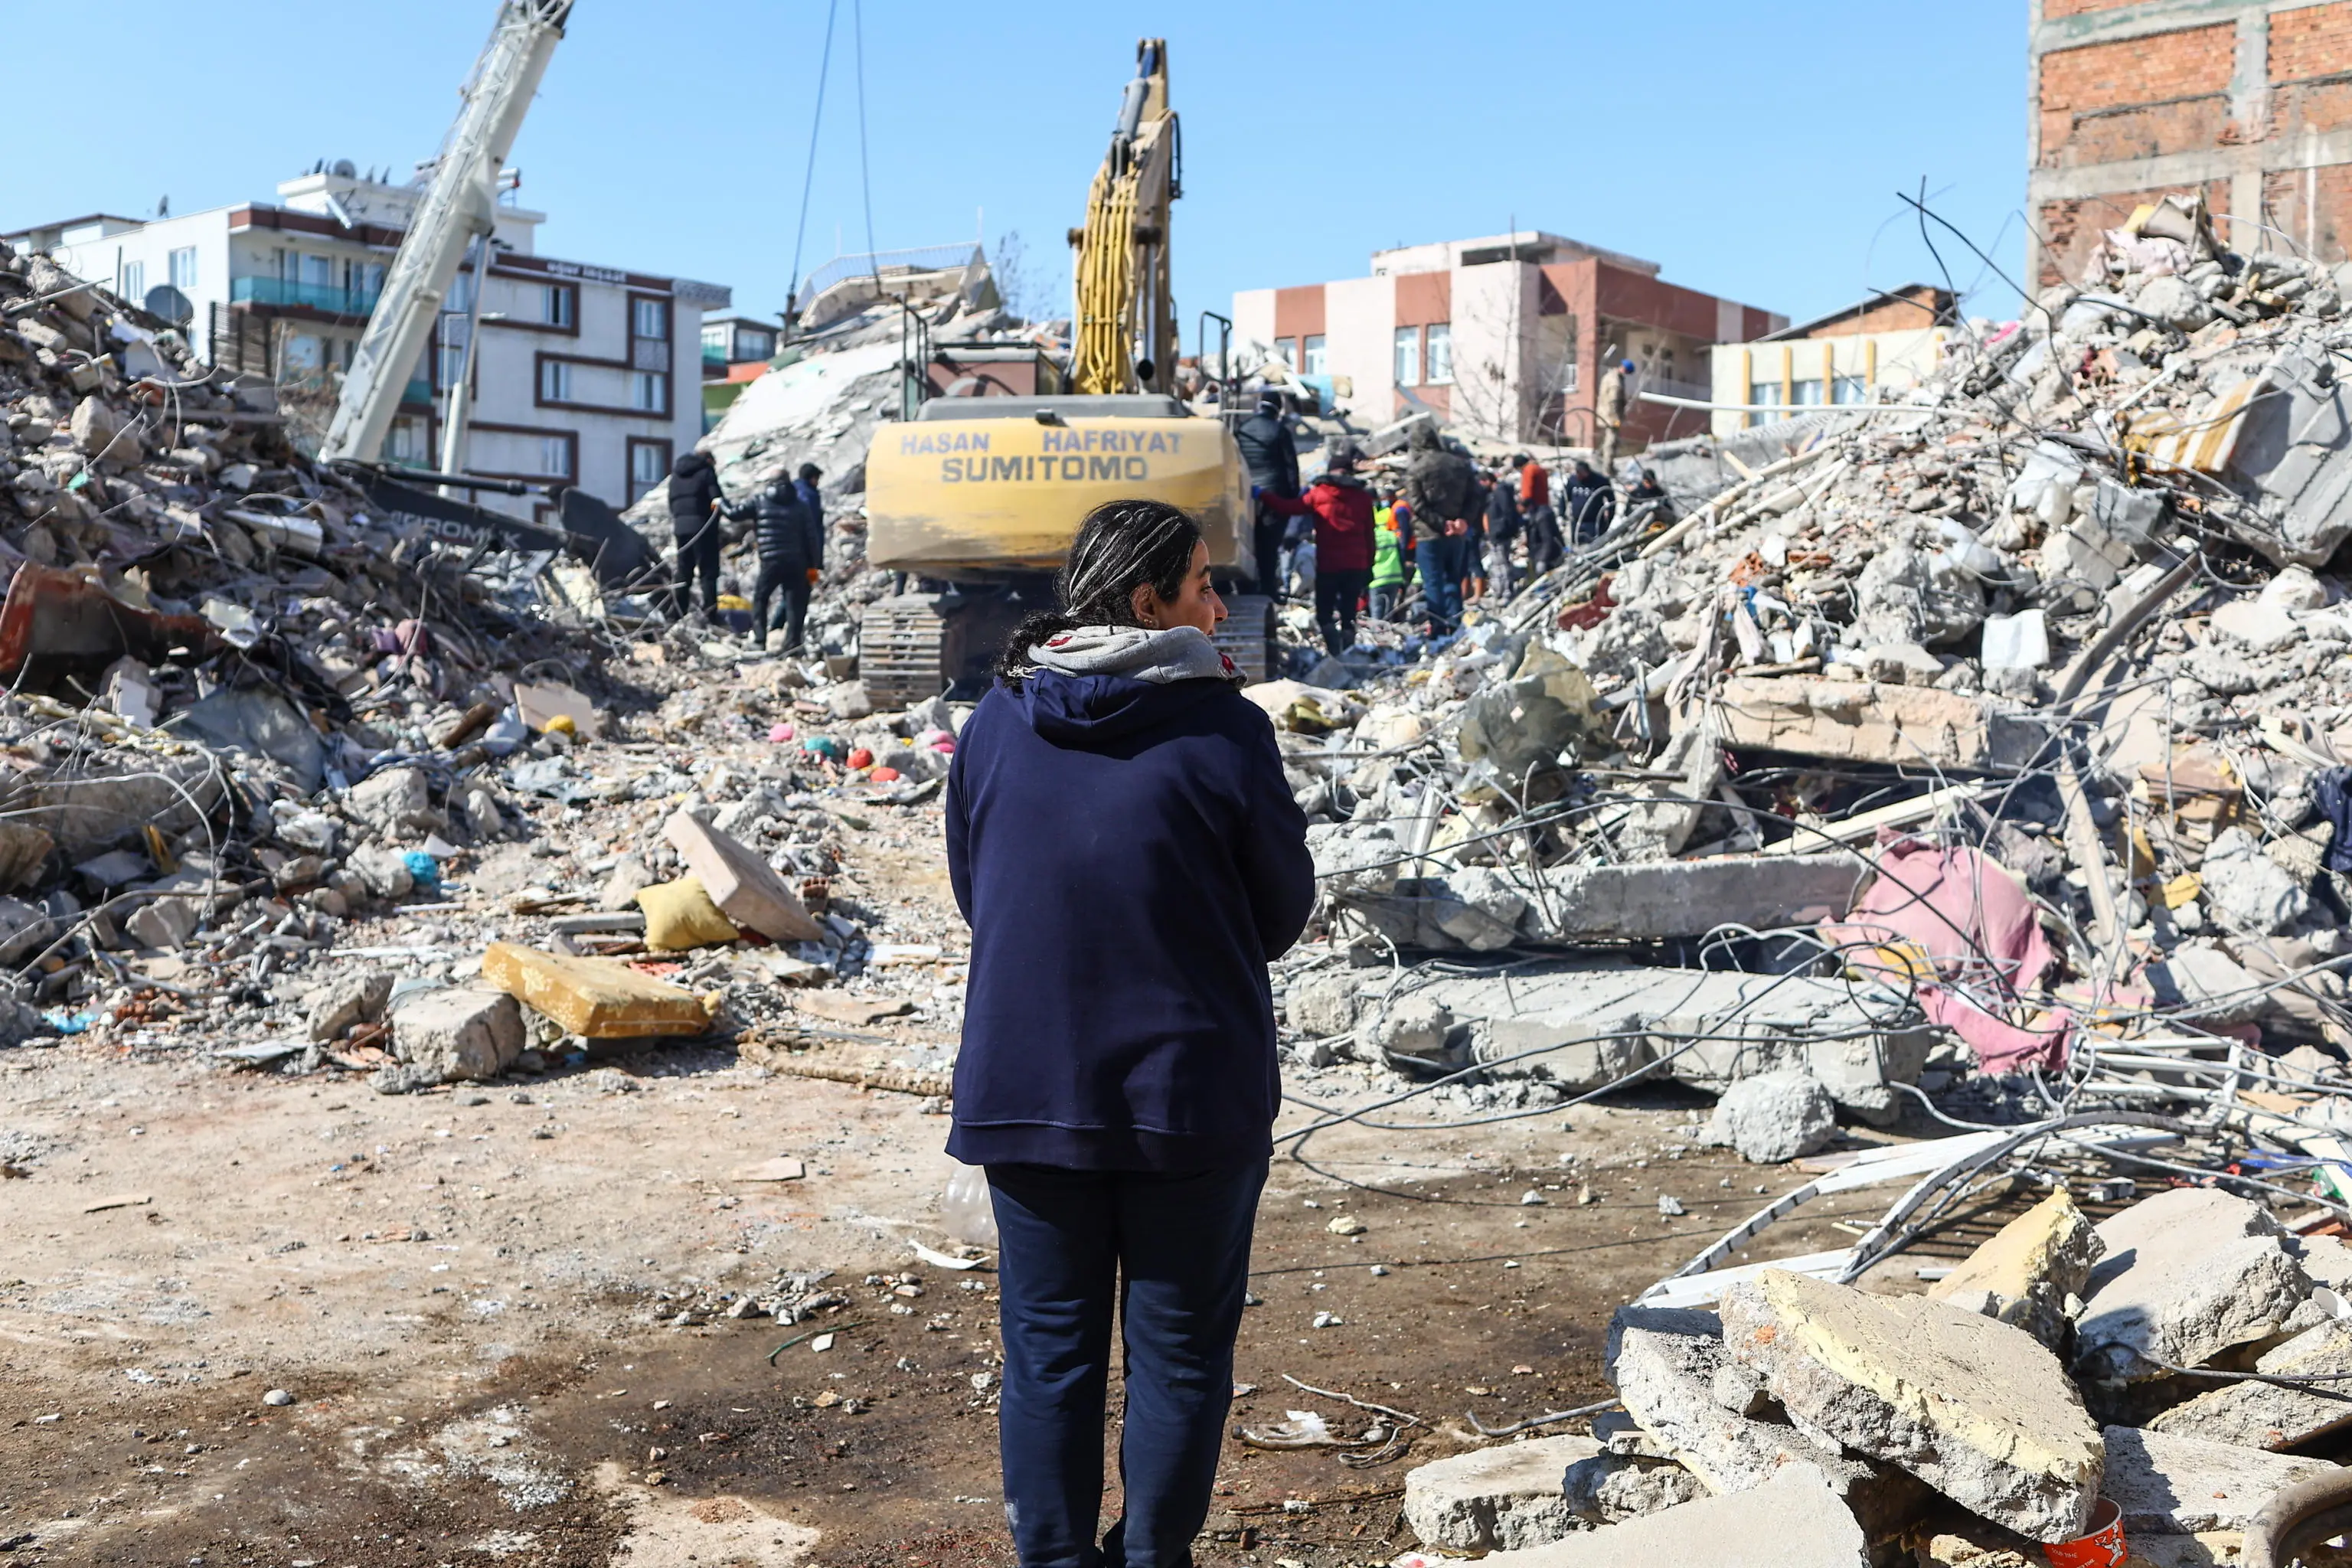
1609,410
791,555
1440,489
1544,546
1503,507
812,495
1341,507
1650,494
1589,502
693,502
1272,458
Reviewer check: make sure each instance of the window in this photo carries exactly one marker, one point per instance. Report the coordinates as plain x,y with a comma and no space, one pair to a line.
555,456
184,268
405,442
554,381
648,392
134,281
648,466
1805,393
555,304
1407,356
1318,356
452,362
752,342
1286,351
649,319
1764,394
459,301
371,281
317,272
1848,389
1441,353
714,343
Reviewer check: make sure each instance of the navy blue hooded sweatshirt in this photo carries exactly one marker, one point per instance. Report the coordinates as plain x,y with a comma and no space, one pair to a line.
1130,860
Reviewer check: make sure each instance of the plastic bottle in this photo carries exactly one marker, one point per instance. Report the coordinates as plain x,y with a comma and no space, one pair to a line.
970,1218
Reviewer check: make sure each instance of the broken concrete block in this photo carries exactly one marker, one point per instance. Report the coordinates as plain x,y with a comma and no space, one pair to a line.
1774,1117
1793,1521
353,999
2251,893
2187,1273
1352,859
629,877
1977,1409
2170,1485
383,872
1413,1026
457,1033
1854,721
2024,1272
23,854
2270,1414
593,997
742,884
165,922
25,929
1494,1499
1477,907
1322,1004
394,805
1610,1487
1690,898
1712,1415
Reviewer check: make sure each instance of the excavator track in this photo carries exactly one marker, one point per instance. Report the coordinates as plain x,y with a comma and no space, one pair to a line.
902,649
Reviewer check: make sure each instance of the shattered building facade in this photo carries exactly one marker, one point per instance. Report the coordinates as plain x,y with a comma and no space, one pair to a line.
1504,336
2246,101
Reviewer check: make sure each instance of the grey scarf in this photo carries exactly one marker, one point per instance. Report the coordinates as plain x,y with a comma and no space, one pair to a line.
1179,653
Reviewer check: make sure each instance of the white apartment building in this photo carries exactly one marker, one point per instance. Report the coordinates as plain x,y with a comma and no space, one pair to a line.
583,375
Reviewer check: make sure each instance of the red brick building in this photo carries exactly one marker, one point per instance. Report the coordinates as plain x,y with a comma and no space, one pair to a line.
2248,100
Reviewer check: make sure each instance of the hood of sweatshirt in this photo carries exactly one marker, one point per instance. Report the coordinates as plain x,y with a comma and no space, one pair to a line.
1084,711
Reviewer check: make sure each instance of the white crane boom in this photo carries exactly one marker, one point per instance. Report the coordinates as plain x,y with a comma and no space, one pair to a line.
460,203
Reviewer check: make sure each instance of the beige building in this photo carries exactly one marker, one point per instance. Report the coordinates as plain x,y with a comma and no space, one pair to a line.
1872,352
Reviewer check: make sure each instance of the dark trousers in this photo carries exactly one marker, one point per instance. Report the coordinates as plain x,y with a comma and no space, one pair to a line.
791,575
1172,1253
1445,562
1336,597
1386,597
1266,544
1502,577
698,553
1543,546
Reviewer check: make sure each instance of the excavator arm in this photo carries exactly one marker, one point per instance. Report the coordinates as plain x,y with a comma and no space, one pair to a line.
1126,315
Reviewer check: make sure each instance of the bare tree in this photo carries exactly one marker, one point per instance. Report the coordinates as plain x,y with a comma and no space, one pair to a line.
1026,292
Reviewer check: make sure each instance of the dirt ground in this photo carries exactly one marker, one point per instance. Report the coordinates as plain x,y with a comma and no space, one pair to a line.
497,1310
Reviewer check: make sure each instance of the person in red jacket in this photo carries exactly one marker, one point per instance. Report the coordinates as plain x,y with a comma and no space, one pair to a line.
1341,505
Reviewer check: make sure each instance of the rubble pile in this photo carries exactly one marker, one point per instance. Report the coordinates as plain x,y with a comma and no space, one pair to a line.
2062,1368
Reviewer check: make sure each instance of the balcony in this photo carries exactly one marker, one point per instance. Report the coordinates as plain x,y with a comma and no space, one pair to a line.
419,391
310,296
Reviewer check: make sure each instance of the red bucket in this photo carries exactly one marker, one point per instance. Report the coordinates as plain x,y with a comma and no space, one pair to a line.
2102,1548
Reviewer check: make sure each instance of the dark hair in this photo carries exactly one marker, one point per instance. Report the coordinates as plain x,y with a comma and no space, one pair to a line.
811,471
1122,546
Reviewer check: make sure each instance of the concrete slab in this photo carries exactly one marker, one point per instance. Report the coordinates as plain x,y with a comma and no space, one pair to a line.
2188,1274
1858,720
1713,1415
739,882
1690,898
1793,1521
2274,1416
1595,1020
1977,1409
1498,1497
2024,1272
2172,1485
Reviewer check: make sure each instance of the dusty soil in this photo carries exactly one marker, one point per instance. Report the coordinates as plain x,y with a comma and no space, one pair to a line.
471,1296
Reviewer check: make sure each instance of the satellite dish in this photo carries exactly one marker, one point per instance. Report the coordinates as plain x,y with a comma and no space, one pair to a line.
170,304
345,169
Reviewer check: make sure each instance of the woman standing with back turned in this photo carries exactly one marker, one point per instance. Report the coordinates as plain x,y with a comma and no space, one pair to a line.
1126,851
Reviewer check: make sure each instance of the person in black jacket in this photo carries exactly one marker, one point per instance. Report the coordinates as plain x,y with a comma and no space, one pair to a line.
1124,845
693,502
812,495
1502,528
1272,457
791,555
1588,503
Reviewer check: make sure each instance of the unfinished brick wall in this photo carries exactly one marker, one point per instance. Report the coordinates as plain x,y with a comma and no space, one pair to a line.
2137,97
2071,229
2314,211
2316,41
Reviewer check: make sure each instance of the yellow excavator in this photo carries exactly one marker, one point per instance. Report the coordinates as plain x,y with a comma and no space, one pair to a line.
975,498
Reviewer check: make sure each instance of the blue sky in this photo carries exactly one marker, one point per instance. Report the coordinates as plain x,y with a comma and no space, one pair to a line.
1754,150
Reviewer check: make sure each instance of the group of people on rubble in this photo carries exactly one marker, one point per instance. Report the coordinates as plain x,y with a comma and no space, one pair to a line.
1354,544
787,519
